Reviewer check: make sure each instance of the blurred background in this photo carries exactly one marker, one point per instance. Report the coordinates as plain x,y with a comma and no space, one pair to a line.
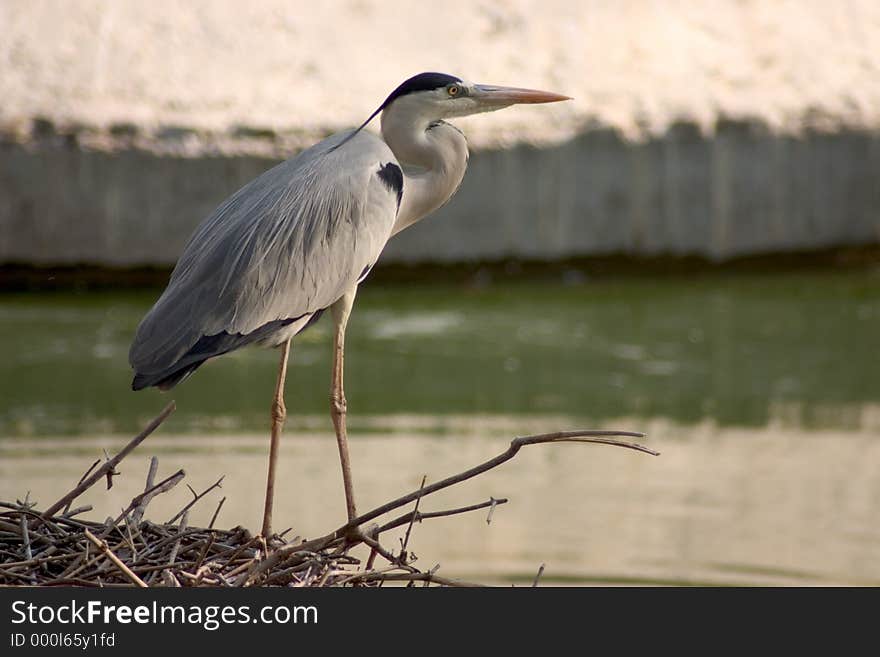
690,247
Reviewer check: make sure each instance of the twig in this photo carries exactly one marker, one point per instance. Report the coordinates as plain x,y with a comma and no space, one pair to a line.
368,571
241,548
141,501
138,512
134,554
93,466
103,547
493,503
111,464
587,436
373,532
413,516
204,551
216,513
25,537
538,576
167,540
431,574
271,560
598,437
196,498
36,561
408,517
110,472
416,577
183,521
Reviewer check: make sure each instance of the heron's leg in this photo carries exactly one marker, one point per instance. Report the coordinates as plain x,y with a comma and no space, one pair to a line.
341,310
279,413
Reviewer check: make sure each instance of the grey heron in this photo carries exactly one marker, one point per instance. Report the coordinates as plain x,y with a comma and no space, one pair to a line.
302,236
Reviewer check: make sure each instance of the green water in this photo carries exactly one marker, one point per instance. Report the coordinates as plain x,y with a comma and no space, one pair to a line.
740,350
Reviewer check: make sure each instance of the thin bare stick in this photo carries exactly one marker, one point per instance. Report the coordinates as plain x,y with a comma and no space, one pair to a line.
93,466
413,516
180,531
416,577
110,464
492,504
141,501
538,576
204,551
601,437
138,512
371,560
25,537
431,573
103,547
216,513
196,498
273,559
134,554
416,515
591,436
110,473
357,576
39,560
390,558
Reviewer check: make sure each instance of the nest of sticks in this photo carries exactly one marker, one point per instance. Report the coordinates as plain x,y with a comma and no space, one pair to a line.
57,547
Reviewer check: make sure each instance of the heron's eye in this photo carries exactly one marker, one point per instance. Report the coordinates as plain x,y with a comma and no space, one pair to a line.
453,90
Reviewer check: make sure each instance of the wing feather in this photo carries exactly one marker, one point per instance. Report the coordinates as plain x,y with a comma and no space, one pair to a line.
286,245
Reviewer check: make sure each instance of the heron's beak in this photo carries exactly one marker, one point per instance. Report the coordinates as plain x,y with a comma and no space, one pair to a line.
489,95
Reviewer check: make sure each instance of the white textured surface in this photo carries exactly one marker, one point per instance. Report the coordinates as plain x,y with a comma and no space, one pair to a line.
318,66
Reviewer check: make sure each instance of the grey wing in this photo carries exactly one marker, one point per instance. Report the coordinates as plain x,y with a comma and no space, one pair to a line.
277,252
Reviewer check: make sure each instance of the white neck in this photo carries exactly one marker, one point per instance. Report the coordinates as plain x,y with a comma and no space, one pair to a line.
434,156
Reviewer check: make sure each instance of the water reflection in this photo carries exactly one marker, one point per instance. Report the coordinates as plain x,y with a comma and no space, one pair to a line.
719,506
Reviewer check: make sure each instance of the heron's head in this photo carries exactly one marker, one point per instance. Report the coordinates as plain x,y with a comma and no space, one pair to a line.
441,96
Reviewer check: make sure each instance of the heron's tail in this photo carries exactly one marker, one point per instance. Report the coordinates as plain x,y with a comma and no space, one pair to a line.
211,346
164,381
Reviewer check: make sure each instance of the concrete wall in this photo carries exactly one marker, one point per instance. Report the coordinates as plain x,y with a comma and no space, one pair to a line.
741,191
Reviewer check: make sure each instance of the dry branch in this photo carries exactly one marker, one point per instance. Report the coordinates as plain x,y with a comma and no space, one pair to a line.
216,513
137,513
81,479
196,498
103,547
601,437
418,516
110,464
538,575
139,502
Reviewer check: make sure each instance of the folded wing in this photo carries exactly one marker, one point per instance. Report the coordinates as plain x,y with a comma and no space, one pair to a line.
272,256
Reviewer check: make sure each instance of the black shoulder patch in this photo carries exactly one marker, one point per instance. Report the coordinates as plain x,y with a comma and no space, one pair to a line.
420,82
392,176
